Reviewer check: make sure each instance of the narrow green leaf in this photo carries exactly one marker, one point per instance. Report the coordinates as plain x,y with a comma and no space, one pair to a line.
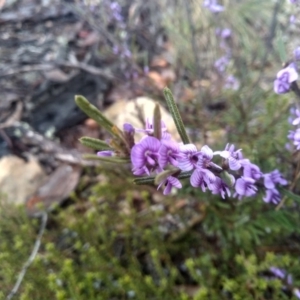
157,122
94,113
151,179
176,116
109,159
164,175
94,143
290,195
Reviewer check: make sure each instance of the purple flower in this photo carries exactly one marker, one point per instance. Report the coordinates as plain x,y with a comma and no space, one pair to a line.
282,274
292,19
144,155
213,6
223,33
189,158
234,157
220,187
149,129
273,196
275,177
252,171
245,187
202,178
231,83
222,63
297,53
169,183
105,153
295,137
297,293
296,112
169,152
205,157
284,79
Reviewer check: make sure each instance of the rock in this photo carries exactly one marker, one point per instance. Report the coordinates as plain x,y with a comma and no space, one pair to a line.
133,111
19,179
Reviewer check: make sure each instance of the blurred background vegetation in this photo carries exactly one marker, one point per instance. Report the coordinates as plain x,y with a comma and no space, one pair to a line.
112,239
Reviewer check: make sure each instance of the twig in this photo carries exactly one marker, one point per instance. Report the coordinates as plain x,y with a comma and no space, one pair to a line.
47,67
31,258
15,117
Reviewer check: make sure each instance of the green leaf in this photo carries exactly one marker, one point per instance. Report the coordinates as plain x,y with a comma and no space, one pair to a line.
290,195
94,143
109,159
164,175
176,116
93,112
151,179
157,122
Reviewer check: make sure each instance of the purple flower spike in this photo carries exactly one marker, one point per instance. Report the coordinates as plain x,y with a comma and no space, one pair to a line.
273,178
252,171
190,157
245,187
169,152
284,79
220,187
144,155
273,196
105,153
203,178
169,183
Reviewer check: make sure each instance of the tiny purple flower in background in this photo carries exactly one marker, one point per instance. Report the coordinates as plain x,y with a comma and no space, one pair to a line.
223,33
169,152
275,177
297,293
169,183
272,196
222,63
232,83
213,6
105,153
252,171
144,155
297,53
245,187
295,137
292,19
190,157
282,274
284,79
295,112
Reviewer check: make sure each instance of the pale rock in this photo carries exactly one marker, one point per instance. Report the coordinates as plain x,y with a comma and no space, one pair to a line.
133,111
19,179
